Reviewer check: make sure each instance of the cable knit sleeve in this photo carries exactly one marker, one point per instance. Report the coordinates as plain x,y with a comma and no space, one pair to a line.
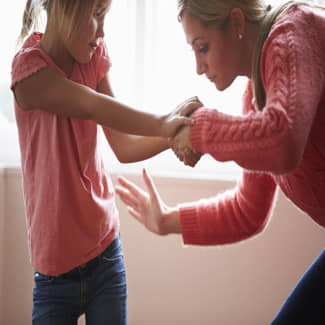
274,139
231,216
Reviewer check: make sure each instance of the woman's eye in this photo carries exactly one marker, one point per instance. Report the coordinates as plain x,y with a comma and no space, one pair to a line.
203,49
98,13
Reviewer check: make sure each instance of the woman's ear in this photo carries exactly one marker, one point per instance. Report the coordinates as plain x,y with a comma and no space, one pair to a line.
237,22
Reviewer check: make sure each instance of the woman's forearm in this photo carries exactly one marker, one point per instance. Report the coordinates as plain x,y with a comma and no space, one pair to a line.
171,222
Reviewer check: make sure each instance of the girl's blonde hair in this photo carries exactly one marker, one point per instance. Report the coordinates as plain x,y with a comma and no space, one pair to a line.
255,11
67,14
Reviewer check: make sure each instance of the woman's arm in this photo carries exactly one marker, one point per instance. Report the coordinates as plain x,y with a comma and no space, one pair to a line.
49,91
227,218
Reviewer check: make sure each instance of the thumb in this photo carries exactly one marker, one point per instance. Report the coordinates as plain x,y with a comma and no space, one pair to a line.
185,120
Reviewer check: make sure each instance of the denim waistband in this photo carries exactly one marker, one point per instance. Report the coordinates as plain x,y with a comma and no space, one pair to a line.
115,244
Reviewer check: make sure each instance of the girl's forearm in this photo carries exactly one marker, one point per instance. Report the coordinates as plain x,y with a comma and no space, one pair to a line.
111,113
142,148
131,148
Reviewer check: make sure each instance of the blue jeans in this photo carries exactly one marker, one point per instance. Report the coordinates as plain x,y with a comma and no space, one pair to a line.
306,304
97,289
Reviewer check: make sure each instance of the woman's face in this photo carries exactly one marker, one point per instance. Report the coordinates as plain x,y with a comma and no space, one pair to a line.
215,49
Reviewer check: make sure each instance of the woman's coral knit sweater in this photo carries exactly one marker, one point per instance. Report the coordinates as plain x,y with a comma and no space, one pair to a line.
284,144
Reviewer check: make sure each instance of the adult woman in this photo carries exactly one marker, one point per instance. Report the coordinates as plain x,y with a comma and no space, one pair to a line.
279,139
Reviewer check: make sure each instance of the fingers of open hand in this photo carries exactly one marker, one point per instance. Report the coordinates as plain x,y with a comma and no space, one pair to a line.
150,185
134,213
126,197
132,188
130,194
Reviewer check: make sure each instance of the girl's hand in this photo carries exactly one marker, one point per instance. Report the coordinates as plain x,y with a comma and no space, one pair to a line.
147,207
182,108
172,122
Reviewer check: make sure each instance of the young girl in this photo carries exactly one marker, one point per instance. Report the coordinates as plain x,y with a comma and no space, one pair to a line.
279,141
62,90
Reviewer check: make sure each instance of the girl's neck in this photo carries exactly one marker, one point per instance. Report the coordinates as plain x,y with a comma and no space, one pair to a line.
53,45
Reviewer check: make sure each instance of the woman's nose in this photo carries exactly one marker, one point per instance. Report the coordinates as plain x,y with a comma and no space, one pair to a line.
201,67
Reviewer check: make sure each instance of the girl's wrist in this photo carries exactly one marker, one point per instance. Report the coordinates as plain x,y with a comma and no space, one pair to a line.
161,126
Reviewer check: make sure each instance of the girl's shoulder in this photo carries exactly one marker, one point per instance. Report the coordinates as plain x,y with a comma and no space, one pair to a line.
28,60
30,47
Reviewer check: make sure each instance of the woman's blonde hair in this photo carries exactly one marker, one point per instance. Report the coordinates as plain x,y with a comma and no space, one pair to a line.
255,11
66,14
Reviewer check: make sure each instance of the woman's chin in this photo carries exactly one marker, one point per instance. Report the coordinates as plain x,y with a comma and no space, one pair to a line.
220,87
223,86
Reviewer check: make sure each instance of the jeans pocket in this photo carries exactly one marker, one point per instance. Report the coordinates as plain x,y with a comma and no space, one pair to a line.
40,278
113,258
113,252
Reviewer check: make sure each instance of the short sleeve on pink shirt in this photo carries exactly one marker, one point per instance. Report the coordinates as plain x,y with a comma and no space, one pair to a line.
26,63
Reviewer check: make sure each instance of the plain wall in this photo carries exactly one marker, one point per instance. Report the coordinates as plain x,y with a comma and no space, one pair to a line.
2,213
168,283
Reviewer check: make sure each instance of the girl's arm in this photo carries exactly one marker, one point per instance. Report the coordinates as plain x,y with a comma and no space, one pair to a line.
49,91
227,218
130,148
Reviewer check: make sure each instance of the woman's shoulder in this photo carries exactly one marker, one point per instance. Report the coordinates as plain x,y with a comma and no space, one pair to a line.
302,19
299,31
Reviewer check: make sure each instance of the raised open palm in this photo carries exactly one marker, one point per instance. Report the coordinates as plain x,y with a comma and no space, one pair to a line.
146,207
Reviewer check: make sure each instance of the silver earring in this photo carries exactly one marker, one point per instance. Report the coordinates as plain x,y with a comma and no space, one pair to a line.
240,36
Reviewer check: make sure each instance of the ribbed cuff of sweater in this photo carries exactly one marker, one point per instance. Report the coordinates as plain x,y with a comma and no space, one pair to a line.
201,121
189,224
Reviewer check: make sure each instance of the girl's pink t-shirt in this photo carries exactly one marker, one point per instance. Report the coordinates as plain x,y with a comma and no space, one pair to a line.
69,197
